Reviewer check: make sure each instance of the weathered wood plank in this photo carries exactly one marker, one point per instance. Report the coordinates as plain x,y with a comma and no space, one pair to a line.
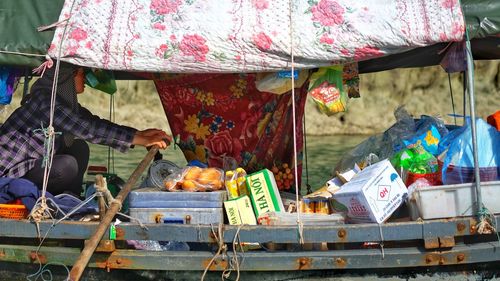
261,260
280,234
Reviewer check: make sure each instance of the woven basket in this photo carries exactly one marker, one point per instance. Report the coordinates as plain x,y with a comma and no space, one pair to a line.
13,211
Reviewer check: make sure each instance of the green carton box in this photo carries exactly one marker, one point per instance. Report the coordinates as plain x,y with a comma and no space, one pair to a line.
264,192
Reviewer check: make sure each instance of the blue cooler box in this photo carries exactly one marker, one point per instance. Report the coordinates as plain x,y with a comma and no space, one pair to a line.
153,206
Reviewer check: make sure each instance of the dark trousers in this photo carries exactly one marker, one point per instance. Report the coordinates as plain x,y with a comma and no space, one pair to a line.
68,168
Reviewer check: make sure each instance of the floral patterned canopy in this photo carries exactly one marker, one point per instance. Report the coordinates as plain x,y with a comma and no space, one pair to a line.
214,116
195,36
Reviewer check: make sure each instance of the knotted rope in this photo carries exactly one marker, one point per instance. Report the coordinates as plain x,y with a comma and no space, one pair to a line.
101,186
41,210
487,223
219,238
40,70
234,263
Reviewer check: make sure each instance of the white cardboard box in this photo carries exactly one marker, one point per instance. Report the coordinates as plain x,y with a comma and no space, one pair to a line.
373,194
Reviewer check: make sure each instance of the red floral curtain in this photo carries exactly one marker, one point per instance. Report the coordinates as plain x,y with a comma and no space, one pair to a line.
213,116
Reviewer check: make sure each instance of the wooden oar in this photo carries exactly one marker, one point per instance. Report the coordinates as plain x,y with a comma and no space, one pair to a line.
91,245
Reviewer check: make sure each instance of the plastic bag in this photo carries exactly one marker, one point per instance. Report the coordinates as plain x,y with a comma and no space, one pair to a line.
429,132
404,128
157,246
455,58
419,183
350,78
280,82
448,139
426,121
195,179
363,152
429,139
415,163
383,145
411,200
458,159
327,90
416,160
102,80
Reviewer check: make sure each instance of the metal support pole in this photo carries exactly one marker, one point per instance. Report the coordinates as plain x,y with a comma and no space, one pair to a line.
88,250
470,89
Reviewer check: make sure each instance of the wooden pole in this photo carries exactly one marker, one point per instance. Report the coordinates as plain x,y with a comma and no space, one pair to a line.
88,250
99,180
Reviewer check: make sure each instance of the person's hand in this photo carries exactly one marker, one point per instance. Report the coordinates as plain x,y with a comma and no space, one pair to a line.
150,137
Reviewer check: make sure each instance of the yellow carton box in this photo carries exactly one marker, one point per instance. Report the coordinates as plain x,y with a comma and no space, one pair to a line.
239,211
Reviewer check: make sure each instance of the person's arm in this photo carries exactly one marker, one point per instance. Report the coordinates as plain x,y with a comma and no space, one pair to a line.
94,129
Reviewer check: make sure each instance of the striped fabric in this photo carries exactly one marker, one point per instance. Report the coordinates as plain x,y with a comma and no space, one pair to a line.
21,144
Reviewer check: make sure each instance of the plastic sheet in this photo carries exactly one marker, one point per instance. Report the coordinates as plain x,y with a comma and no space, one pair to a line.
455,58
151,245
380,146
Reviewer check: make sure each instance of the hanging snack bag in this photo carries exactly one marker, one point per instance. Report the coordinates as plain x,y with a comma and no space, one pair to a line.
326,89
195,179
350,77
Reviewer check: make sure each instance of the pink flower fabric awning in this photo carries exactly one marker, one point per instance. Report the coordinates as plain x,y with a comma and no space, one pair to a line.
247,36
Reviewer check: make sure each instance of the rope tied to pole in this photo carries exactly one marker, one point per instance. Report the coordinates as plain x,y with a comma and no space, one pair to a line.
487,222
222,247
41,210
49,133
101,186
234,263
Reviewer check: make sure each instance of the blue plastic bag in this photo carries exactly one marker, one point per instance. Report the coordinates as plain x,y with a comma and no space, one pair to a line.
429,133
458,160
428,139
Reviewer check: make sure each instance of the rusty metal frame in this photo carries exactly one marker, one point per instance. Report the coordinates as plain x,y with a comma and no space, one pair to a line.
346,233
261,260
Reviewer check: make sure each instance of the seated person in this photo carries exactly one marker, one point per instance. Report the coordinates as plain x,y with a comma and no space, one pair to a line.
22,140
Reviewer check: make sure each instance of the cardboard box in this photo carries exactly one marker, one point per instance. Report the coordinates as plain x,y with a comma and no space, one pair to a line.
373,194
264,192
239,211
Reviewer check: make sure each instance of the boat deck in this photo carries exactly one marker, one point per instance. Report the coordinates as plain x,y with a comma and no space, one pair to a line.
412,244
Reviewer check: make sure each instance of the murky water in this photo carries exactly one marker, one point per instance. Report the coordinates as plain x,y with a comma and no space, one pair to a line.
323,152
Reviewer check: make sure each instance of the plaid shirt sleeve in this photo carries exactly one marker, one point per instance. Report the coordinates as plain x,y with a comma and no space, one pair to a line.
92,128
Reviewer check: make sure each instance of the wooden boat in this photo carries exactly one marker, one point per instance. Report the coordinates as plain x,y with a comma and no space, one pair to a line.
400,249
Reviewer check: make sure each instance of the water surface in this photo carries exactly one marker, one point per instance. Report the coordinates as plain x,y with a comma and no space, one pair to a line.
323,153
